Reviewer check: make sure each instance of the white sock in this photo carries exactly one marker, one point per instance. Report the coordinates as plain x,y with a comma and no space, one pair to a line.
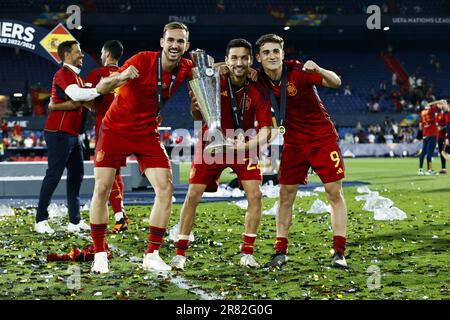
118,215
183,237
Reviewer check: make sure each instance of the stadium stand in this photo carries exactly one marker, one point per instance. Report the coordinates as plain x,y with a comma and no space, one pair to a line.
403,7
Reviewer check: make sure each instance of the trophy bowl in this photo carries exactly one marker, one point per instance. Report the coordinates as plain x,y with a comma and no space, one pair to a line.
205,85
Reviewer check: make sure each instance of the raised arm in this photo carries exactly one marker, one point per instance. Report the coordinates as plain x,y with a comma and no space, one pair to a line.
441,104
115,80
330,78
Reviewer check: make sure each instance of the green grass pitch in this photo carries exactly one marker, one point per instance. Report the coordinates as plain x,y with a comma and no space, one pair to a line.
412,255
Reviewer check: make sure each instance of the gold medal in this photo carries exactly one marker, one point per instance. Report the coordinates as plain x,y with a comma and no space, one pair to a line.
281,130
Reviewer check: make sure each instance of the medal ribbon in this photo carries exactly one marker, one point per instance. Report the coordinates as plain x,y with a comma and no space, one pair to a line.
280,112
238,117
159,83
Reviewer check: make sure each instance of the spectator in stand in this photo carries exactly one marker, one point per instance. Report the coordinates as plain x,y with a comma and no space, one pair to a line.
166,138
394,79
4,129
17,131
371,137
379,134
28,142
349,139
347,91
394,128
429,96
435,63
41,142
362,138
383,87
376,106
373,94
419,83
412,82
438,66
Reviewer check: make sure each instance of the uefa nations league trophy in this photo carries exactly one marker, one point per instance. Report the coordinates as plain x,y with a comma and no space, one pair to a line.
205,85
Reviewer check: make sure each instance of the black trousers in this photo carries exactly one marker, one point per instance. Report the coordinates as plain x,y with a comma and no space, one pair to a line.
64,151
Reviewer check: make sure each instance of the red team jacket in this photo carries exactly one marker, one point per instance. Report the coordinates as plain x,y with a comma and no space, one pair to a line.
66,121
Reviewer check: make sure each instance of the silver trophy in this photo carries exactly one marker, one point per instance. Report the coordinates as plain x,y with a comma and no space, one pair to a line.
205,85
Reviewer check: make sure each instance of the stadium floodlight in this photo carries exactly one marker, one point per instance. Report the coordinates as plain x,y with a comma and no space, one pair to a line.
18,95
79,27
386,28
286,28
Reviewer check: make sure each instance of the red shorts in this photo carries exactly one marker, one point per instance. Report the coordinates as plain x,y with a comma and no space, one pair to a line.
326,161
113,148
209,174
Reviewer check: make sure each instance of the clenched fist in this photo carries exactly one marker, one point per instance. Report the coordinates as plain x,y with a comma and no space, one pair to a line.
129,73
311,67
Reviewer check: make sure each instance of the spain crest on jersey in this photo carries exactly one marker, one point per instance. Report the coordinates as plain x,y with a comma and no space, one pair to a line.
291,89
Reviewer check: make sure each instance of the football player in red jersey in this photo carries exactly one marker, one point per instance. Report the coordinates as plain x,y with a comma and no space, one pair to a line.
310,140
112,50
244,105
61,134
428,125
130,126
446,151
441,135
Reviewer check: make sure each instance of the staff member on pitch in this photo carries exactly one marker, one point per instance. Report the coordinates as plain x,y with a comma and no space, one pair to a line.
62,137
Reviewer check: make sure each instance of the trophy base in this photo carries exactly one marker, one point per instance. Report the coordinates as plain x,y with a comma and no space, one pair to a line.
219,147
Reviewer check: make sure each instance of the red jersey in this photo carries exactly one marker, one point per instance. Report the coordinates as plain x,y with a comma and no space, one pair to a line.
306,121
441,122
135,107
67,121
428,121
257,107
447,117
103,102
